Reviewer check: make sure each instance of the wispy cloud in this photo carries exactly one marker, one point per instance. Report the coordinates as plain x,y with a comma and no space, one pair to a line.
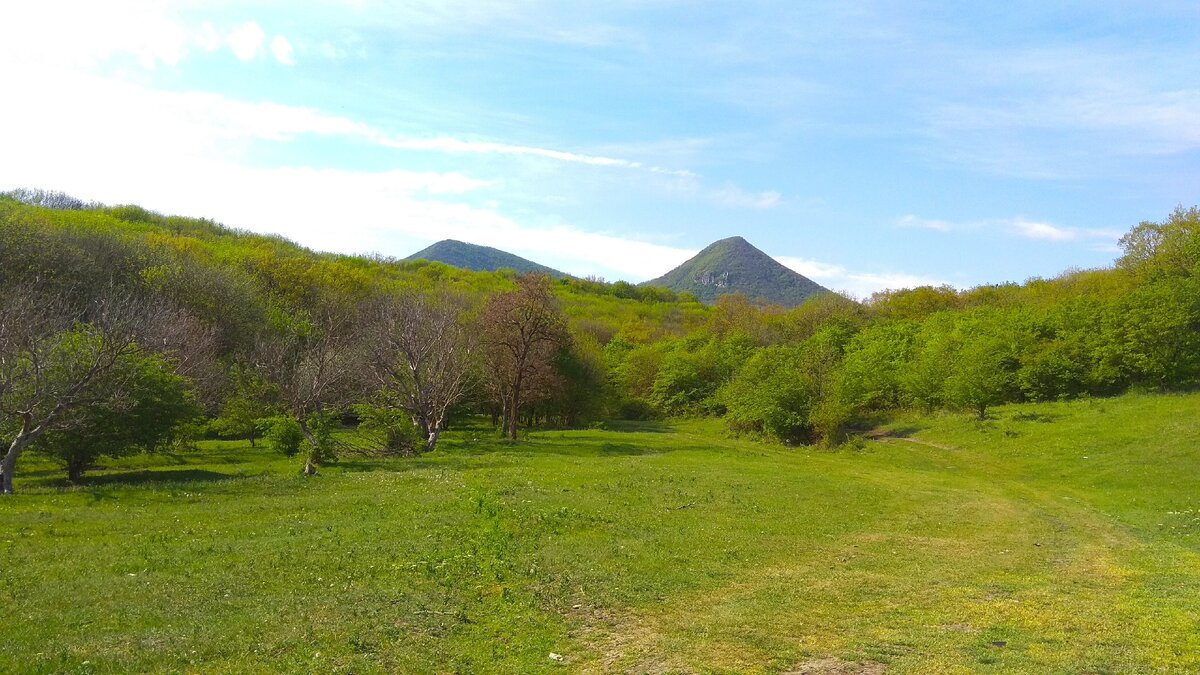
1018,226
859,284
925,223
731,196
1065,110
463,146
1032,229
283,51
88,34
246,41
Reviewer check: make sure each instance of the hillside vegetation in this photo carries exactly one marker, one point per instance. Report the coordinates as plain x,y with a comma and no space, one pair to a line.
480,258
1056,537
733,265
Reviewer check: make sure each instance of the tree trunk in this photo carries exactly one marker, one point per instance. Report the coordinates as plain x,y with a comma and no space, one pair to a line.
514,413
8,465
432,439
75,471
982,411
310,465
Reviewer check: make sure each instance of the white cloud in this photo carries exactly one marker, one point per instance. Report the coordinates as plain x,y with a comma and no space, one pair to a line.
282,49
1048,232
856,283
81,34
926,223
1019,226
1035,230
84,35
208,38
246,41
477,147
1065,110
732,196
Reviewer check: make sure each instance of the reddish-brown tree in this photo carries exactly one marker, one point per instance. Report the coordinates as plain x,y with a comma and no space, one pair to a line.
522,331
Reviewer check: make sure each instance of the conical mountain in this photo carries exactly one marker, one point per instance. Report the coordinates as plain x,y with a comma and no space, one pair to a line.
479,258
733,265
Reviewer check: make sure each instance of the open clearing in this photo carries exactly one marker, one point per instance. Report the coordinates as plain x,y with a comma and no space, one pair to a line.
1052,538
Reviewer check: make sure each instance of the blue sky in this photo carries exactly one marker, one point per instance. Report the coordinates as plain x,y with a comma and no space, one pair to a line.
867,145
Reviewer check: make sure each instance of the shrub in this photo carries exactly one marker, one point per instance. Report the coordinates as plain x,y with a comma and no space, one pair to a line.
284,435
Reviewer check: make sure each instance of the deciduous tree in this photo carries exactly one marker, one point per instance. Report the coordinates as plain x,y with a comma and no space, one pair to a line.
314,360
141,401
522,331
421,348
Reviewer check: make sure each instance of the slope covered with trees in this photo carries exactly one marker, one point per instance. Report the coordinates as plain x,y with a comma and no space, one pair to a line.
733,265
480,258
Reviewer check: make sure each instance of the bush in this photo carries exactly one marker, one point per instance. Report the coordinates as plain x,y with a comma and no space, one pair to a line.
284,435
636,410
396,428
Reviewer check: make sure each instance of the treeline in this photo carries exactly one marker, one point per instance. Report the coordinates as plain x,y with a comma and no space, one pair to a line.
123,330
808,374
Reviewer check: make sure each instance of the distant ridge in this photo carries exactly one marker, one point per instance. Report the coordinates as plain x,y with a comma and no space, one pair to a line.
479,258
733,265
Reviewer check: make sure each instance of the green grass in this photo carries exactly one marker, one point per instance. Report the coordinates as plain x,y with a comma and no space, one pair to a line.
1051,538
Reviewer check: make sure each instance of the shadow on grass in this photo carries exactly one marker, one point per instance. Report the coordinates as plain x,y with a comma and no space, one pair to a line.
439,459
149,477
1035,417
907,431
638,426
473,453
107,485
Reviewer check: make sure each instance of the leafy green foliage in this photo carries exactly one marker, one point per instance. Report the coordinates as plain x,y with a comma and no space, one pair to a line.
283,434
773,395
152,403
395,427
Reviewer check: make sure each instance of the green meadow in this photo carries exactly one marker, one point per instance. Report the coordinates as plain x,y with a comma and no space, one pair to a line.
1060,537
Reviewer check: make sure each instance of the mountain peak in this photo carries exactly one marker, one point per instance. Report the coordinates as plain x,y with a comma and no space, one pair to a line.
734,265
479,258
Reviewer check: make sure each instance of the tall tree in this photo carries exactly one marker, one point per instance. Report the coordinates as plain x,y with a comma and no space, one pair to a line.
522,333
421,349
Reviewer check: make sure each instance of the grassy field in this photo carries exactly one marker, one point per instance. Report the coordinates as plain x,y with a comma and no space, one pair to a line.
1051,538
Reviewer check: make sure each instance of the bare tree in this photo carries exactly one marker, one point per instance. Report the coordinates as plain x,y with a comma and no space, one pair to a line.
51,199
314,361
522,332
57,355
421,351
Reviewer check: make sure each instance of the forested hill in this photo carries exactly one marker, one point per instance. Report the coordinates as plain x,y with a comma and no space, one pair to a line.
734,265
480,258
